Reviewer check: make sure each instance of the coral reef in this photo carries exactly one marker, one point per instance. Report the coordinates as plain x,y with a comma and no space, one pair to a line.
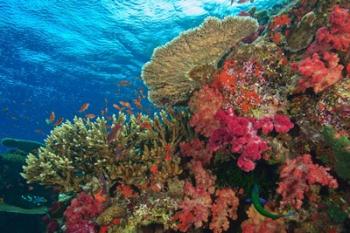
260,143
297,176
167,75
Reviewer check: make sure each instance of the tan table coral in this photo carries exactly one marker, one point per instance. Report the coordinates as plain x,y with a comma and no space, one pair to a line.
180,66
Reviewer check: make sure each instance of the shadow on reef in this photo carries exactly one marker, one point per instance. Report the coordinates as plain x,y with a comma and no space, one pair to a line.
20,202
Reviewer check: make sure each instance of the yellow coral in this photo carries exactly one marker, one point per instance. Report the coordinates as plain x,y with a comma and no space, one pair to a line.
167,75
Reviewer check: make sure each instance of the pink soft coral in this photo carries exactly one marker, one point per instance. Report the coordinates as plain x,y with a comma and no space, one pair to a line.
197,150
242,134
81,213
256,223
338,34
204,104
319,73
281,123
296,177
195,208
224,208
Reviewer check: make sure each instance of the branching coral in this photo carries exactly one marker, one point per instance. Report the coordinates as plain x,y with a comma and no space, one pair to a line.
167,74
74,154
296,178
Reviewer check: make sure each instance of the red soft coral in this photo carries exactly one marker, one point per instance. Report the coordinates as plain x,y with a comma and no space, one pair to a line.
338,34
279,21
319,73
281,123
81,213
197,150
204,104
195,208
256,223
242,134
296,177
224,208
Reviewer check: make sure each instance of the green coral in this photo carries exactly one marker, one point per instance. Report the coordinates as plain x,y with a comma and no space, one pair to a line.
77,154
341,149
74,154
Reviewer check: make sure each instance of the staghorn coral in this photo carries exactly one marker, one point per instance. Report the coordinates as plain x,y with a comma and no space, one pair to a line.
74,154
296,178
167,75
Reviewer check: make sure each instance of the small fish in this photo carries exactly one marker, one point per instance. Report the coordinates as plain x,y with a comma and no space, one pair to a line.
36,200
124,83
59,121
129,111
90,116
111,136
100,196
84,107
137,102
52,117
125,104
146,125
104,111
117,107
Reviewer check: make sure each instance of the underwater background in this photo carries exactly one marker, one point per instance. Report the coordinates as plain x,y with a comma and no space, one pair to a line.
57,55
169,116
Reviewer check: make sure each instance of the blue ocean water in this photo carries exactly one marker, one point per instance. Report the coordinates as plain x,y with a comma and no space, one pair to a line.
56,55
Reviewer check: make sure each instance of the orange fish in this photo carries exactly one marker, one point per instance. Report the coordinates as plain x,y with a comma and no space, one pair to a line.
84,107
100,197
137,102
90,116
117,107
129,111
125,104
146,125
59,121
52,117
104,111
124,83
